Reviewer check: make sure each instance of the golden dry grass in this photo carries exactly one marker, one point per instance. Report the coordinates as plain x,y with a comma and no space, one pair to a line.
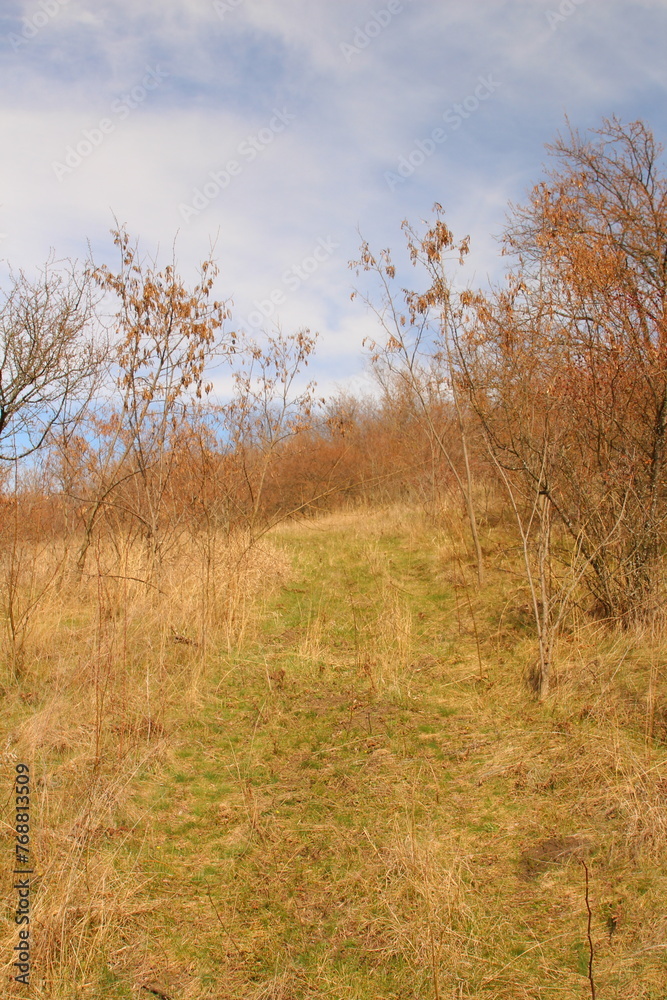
313,768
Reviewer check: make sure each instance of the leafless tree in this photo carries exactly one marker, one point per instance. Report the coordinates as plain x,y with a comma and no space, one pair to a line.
49,358
415,351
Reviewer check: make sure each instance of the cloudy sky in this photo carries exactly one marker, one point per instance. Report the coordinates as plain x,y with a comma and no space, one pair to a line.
278,131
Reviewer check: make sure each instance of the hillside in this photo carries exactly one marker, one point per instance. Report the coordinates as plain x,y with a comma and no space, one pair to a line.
321,772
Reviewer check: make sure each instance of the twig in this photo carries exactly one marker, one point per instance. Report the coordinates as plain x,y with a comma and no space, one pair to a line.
588,932
436,991
221,921
156,992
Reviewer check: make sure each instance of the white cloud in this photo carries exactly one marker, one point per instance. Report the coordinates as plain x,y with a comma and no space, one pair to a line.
324,175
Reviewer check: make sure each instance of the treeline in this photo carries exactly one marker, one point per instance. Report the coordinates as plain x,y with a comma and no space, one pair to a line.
552,386
354,450
109,427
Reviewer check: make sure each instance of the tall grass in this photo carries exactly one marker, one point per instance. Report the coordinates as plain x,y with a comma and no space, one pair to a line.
95,670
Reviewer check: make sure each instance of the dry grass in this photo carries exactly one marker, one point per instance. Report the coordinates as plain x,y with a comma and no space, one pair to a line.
95,680
313,768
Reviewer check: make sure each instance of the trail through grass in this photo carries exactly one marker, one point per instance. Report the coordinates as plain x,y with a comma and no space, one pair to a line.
362,800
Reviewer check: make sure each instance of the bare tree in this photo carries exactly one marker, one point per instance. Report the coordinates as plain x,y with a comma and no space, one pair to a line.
168,336
566,369
48,357
416,349
267,409
591,254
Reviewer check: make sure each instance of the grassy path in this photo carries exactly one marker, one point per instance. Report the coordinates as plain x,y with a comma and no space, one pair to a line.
366,804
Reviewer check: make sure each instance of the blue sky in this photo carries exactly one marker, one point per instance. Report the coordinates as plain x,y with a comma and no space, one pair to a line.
278,130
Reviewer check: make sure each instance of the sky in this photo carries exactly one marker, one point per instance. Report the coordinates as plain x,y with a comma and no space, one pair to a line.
276,134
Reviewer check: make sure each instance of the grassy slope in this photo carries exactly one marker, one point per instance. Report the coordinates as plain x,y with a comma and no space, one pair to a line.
361,800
